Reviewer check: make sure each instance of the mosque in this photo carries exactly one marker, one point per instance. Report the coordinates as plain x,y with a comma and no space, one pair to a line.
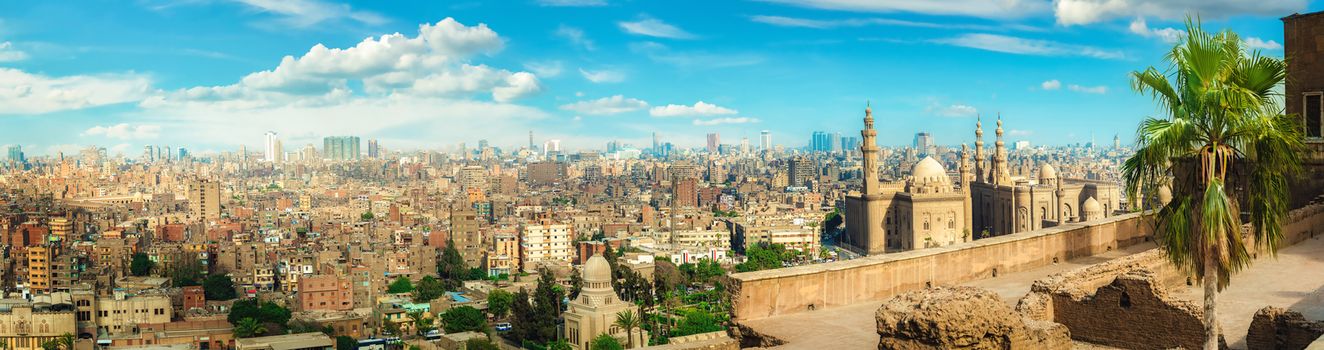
593,313
928,209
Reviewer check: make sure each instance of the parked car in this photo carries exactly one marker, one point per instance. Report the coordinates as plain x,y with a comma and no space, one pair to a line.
502,327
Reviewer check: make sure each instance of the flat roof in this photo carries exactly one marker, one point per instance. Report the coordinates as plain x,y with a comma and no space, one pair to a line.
286,342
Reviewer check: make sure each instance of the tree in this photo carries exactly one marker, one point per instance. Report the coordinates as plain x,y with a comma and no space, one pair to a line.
557,345
451,267
400,285
422,324
262,312
498,302
345,342
1224,139
248,328
576,283
185,273
627,320
141,265
463,319
390,327
65,341
523,320
546,306
605,342
429,288
480,344
696,322
366,216
218,287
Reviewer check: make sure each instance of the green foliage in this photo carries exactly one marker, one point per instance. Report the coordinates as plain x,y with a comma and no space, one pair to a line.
764,256
219,287
400,285
463,319
452,268
263,312
141,265
499,302
536,321
480,344
422,324
429,288
366,216
345,342
605,342
186,273
704,271
628,321
726,214
576,283
696,322
557,345
248,327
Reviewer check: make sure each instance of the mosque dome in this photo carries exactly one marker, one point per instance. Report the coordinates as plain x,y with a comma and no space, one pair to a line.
929,170
597,270
1091,206
1047,172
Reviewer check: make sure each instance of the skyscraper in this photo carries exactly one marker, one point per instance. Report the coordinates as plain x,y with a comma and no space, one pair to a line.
924,143
714,141
374,151
340,148
765,140
269,150
16,154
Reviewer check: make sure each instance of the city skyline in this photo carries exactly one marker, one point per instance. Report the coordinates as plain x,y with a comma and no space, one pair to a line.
423,76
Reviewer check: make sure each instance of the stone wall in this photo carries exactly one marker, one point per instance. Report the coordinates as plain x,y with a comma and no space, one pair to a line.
768,293
962,318
1276,328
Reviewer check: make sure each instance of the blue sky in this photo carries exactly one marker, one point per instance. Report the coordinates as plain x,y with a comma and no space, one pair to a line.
211,75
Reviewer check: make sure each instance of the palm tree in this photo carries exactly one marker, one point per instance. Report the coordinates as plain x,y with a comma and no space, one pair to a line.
248,327
626,319
1223,142
65,341
421,324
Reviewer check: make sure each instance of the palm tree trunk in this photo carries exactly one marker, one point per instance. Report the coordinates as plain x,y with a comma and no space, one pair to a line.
1210,302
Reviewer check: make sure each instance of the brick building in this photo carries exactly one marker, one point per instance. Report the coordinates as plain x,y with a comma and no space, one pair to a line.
325,292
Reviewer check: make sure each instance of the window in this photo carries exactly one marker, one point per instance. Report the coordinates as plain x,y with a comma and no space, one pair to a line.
1312,114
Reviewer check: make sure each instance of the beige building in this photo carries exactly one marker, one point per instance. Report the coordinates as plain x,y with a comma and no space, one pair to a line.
25,325
301,341
204,200
546,242
594,312
123,312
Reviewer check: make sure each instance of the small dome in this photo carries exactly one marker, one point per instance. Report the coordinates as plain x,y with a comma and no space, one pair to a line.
928,170
1047,172
1091,206
597,270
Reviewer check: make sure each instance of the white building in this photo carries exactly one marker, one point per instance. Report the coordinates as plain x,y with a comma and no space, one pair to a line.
544,243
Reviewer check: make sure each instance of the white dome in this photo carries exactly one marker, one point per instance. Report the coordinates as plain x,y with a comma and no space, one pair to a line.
1091,206
1047,172
928,170
597,270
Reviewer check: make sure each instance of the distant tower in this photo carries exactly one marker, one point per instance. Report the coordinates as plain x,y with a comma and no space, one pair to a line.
531,145
765,140
869,148
979,151
714,141
1001,174
269,150
1117,142
655,150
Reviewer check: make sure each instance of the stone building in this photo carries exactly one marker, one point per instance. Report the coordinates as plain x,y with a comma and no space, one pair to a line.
923,211
864,212
24,325
325,292
1005,204
593,313
1303,49
122,312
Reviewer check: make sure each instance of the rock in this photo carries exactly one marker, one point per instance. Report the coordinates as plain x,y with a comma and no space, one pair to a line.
962,318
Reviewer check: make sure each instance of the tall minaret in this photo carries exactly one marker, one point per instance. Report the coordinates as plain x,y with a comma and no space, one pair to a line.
964,167
980,170
1001,174
869,149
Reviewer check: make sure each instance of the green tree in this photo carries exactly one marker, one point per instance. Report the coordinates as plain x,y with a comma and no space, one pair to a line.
1223,140
605,342
422,324
185,273
498,302
480,344
696,322
628,321
65,341
400,285
218,287
764,256
366,216
391,328
262,312
141,265
523,320
546,306
248,328
557,345
451,267
346,342
463,319
429,288
576,283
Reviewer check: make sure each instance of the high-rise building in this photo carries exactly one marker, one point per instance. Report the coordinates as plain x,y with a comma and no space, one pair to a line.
1117,142
551,148
546,242
270,150
801,170
686,192
374,151
340,148
924,143
655,145
765,140
204,200
714,141
16,154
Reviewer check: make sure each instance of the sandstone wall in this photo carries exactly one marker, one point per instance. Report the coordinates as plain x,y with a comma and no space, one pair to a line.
767,293
1276,328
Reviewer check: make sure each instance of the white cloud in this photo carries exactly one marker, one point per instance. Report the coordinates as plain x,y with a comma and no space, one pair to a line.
1022,46
657,52
548,69
572,3
306,13
1088,89
1168,35
575,36
1051,85
1260,44
972,8
1079,12
124,131
25,93
606,105
9,54
698,109
603,76
653,27
729,120
431,63
953,110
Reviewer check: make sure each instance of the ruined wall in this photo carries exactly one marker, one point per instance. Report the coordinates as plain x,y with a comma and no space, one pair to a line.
1132,312
1276,328
767,293
965,318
